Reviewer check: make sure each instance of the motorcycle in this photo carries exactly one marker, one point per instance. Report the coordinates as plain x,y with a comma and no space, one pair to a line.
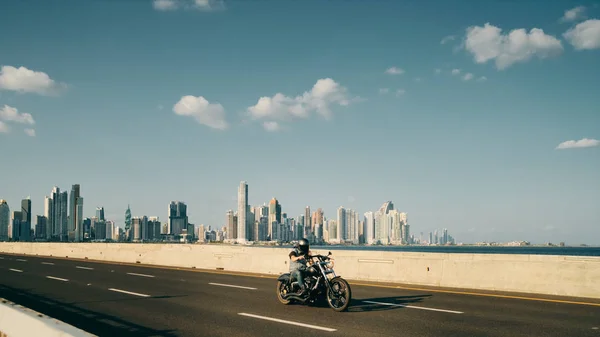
321,281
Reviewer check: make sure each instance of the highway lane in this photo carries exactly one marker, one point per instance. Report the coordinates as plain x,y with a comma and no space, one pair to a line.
185,303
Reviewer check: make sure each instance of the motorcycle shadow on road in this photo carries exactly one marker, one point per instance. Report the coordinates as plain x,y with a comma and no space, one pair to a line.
367,304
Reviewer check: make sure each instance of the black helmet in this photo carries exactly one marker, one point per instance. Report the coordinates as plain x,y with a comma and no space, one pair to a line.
303,246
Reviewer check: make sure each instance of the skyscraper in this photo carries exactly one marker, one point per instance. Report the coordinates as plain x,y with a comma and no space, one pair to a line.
231,225
100,213
370,227
4,220
242,212
55,209
274,217
25,217
63,217
178,219
76,214
307,222
128,218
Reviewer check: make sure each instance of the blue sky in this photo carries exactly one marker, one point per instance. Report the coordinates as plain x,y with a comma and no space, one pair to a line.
144,104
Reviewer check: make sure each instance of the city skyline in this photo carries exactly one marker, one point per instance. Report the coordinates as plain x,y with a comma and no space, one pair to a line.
483,121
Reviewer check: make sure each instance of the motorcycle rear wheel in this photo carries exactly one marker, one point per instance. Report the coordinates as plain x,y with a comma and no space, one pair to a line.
340,295
282,289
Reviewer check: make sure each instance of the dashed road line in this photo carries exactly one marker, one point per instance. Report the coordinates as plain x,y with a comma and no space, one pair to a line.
57,278
316,327
16,270
128,292
86,268
48,263
231,285
142,275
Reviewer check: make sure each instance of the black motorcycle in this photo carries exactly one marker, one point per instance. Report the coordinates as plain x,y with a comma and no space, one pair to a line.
321,281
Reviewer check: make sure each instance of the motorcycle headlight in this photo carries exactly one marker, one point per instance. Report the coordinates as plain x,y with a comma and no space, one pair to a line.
330,264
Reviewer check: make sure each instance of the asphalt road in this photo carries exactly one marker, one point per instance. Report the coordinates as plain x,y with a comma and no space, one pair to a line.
129,300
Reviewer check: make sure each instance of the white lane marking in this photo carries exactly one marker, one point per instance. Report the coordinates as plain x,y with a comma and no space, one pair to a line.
288,322
1,258
231,285
48,263
595,328
128,292
142,275
17,270
414,307
86,268
21,260
57,278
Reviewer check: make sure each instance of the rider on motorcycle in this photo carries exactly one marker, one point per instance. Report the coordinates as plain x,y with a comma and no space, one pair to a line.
298,259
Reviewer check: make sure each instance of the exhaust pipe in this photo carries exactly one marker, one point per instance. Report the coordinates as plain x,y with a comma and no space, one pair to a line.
294,297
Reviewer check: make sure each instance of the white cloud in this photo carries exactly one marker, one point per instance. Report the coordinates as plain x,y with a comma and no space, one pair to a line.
165,5
418,79
400,92
206,113
202,5
447,39
394,71
324,93
438,70
468,77
30,132
582,143
455,71
384,90
3,127
24,80
488,43
271,126
585,35
482,79
10,114
573,14
209,5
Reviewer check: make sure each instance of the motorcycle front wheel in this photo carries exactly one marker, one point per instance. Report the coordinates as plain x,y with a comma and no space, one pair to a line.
282,289
340,294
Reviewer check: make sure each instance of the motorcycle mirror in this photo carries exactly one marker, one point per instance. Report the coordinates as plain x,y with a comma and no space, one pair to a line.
329,253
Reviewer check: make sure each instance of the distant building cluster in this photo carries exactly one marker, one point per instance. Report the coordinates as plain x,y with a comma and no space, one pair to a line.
63,221
267,223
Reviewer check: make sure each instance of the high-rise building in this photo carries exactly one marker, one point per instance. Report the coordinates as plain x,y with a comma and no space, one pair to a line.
100,213
308,226
128,218
231,221
340,225
4,220
55,210
76,214
136,223
242,235
63,217
178,219
383,223
15,232
25,229
274,217
369,228
41,227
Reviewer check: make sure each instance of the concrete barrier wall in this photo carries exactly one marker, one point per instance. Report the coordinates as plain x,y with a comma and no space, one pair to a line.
18,321
540,274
